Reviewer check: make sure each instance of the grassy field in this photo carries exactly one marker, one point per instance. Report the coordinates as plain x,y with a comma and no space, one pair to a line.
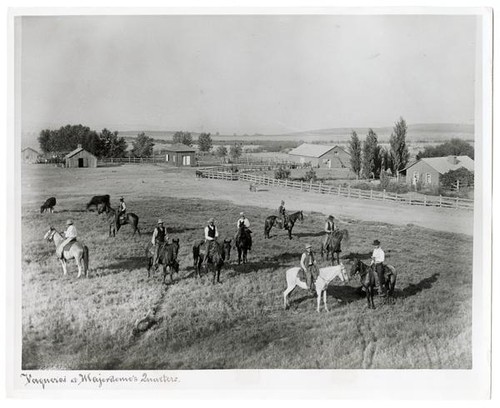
88,323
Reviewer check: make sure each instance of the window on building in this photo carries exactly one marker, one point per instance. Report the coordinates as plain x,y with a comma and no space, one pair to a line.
166,157
428,178
173,158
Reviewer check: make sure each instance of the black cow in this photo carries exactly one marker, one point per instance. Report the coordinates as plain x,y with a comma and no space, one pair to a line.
102,203
48,205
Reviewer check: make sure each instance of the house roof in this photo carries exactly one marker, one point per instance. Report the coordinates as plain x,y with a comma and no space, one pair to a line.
312,150
443,164
178,147
29,148
77,150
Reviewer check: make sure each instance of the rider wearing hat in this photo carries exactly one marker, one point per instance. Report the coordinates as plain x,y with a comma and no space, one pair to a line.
122,208
329,228
211,235
282,213
377,263
158,239
243,220
308,265
69,235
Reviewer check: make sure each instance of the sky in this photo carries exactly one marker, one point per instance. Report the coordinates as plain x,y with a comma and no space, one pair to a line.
245,74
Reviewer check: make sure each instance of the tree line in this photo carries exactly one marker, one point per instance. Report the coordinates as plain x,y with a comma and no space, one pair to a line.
369,159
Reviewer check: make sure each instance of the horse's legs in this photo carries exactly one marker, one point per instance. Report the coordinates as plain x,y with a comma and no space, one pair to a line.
79,264
319,300
63,264
288,290
290,232
324,300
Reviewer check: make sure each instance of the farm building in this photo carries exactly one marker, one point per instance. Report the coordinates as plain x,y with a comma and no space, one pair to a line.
180,155
429,169
29,155
320,156
80,158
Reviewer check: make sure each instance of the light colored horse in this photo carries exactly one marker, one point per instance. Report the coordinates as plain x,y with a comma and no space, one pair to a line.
77,251
326,275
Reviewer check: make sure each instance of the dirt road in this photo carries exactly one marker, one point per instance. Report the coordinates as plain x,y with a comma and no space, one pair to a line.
149,180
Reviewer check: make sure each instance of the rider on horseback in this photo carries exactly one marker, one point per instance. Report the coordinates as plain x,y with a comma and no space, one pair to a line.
377,263
211,235
158,240
243,221
282,213
122,208
69,235
308,265
329,228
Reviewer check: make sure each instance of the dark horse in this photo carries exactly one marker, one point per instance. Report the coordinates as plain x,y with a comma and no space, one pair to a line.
242,243
116,222
216,257
333,244
367,277
291,220
102,203
48,205
167,258
269,223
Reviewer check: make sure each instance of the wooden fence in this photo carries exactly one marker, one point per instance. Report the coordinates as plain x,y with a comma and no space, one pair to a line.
320,188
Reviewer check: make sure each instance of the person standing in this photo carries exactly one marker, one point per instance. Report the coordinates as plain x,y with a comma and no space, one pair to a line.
378,258
158,240
122,208
282,213
308,265
211,235
69,235
329,229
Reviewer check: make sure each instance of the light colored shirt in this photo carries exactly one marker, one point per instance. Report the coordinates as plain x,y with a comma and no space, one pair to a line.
245,221
155,233
303,261
378,255
123,207
210,238
70,232
329,226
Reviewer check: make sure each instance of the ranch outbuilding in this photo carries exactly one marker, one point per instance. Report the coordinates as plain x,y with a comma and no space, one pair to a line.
180,155
428,170
321,156
80,158
29,155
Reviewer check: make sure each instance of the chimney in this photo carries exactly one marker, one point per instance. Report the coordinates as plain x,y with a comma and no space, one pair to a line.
78,146
453,159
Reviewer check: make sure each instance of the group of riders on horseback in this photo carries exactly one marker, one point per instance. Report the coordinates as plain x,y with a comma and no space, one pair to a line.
307,260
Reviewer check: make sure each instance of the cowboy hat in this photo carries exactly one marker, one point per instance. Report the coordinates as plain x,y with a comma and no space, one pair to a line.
308,246
160,221
242,213
69,222
211,220
331,217
376,242
121,198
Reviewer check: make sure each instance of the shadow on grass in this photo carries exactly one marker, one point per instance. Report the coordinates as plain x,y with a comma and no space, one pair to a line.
277,262
412,289
308,234
72,211
177,230
134,262
354,255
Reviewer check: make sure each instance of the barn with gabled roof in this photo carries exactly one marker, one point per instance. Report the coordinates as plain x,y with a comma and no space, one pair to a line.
80,158
320,156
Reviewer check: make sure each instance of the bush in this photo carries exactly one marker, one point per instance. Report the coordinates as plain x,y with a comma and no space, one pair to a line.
384,180
281,173
310,175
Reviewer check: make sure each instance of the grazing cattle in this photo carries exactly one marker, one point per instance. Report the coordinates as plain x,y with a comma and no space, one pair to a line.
102,203
75,250
48,205
326,275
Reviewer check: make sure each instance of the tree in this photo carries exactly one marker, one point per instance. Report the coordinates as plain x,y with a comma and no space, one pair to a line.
462,175
355,151
400,154
221,151
371,155
67,138
184,138
143,146
235,151
204,142
281,173
453,147
112,145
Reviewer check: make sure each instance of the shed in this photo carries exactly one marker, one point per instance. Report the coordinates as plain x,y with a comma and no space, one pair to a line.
80,158
429,169
180,155
321,156
29,155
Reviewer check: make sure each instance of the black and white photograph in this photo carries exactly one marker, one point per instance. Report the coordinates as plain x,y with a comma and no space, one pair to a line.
205,194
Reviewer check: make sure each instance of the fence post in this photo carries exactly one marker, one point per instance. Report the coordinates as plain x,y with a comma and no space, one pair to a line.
359,193
349,191
396,196
440,200
456,203
383,195
425,201
371,194
286,183
339,190
310,185
301,183
409,199
320,187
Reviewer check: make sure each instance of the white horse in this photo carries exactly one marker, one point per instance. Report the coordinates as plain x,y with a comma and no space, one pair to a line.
326,275
78,251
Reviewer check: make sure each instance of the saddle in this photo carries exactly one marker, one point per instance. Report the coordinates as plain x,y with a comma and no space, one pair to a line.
69,245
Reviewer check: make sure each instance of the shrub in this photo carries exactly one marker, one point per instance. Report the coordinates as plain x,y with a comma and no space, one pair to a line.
310,175
281,173
384,180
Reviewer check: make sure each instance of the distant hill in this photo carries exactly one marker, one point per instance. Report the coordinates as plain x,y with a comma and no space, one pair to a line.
429,132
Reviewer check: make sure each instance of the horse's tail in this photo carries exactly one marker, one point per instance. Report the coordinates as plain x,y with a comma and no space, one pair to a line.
196,254
86,260
345,237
